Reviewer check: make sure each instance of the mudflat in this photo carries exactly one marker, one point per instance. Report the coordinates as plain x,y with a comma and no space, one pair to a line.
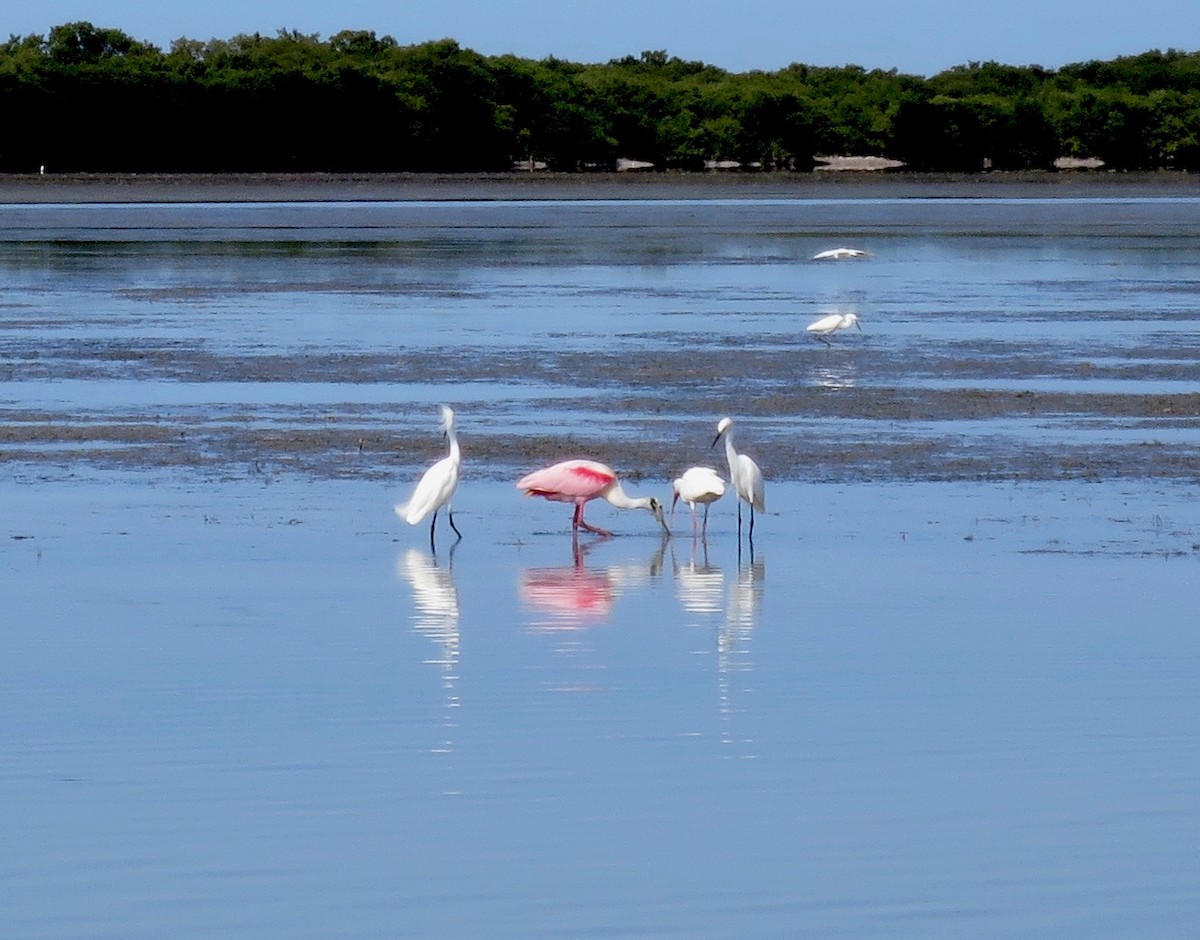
1005,336
384,187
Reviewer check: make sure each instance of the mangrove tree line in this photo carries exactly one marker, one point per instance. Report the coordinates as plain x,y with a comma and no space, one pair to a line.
93,99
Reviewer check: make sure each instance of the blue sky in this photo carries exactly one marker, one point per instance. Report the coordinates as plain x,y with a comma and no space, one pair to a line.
916,36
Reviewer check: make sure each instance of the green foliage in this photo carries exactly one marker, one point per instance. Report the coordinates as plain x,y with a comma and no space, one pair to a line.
84,44
89,98
975,132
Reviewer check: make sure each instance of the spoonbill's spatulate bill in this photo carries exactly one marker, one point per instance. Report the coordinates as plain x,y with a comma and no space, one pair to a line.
578,482
436,488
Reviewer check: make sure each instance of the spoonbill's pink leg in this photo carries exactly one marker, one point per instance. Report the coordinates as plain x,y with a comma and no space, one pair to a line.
578,523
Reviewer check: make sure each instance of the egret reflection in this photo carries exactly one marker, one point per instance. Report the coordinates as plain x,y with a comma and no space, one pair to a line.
730,611
575,597
733,642
435,616
741,611
837,377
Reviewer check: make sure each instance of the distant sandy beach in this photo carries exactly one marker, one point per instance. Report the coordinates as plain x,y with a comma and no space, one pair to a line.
34,189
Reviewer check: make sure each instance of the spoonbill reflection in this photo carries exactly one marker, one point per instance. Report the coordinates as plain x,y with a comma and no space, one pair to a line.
697,485
436,488
831,324
574,597
840,254
571,597
744,474
580,481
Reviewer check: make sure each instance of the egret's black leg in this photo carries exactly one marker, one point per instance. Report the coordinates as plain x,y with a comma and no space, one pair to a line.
432,526
450,513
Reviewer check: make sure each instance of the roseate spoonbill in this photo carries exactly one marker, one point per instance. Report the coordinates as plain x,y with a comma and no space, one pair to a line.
831,324
744,474
698,485
840,254
436,488
578,481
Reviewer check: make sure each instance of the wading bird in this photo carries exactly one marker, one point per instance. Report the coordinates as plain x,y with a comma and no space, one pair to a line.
744,474
698,485
578,482
840,254
831,324
436,488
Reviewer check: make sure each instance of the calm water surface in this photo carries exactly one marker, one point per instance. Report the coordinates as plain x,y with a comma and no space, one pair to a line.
238,697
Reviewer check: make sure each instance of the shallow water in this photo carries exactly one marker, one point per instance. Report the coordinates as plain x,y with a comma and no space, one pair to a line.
952,693
922,710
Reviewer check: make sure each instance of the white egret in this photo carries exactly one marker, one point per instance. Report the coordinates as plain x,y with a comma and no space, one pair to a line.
840,254
436,488
698,485
831,324
744,474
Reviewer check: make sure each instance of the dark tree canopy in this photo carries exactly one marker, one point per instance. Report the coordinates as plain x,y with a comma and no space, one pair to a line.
87,98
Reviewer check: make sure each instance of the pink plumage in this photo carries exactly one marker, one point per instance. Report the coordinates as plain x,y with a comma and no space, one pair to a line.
578,481
569,481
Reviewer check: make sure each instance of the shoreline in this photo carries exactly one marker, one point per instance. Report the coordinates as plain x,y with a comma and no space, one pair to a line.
134,188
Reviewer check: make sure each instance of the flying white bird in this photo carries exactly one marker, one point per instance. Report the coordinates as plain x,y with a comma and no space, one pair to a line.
840,254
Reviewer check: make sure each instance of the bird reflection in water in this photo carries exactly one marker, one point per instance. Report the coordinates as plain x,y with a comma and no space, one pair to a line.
435,616
733,642
835,377
576,597
699,585
730,611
